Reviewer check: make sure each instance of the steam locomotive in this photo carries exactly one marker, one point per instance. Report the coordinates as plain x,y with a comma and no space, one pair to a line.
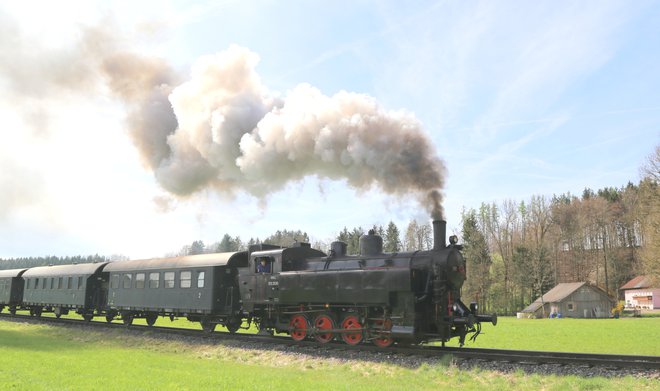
377,297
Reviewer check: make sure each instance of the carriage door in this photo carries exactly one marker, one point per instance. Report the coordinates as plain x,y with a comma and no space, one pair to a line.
267,269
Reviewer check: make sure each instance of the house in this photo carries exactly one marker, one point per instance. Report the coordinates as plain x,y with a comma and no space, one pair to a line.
571,300
640,293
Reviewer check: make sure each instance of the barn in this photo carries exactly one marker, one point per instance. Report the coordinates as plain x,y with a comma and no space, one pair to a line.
640,293
571,300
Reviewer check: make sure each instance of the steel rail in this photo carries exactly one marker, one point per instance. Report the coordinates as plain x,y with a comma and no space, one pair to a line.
464,353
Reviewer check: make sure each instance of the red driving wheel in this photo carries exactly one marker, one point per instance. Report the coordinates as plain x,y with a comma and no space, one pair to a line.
352,322
298,327
324,322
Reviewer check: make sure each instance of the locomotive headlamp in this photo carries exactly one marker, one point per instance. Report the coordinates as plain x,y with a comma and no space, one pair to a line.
453,239
474,307
454,307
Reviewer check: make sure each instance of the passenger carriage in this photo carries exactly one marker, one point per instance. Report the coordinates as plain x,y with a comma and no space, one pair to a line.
62,288
201,288
11,289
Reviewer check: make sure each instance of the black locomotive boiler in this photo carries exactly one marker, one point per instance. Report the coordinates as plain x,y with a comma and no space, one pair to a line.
409,297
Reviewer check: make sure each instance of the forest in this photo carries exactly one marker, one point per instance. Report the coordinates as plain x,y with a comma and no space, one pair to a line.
516,250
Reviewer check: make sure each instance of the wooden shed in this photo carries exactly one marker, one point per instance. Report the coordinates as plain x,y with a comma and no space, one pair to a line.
571,300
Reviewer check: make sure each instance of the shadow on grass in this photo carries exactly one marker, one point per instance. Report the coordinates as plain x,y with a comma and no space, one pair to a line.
34,341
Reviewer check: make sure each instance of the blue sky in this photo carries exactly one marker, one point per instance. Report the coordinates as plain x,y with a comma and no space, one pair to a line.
518,98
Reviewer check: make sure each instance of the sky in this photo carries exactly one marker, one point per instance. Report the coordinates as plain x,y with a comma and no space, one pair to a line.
504,100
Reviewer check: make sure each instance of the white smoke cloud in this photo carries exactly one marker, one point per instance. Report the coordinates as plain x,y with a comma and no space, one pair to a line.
223,129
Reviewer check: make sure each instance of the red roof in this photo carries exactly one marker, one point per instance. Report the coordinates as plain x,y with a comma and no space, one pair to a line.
639,282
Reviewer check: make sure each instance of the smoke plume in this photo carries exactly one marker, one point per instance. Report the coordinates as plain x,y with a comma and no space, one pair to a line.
221,128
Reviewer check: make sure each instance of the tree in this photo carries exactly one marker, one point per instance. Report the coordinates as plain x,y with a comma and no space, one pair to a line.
286,238
649,204
410,239
229,244
197,247
354,240
392,241
478,260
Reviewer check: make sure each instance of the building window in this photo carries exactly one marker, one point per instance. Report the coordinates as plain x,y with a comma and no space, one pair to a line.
168,279
200,279
139,280
570,306
184,279
154,279
126,281
114,281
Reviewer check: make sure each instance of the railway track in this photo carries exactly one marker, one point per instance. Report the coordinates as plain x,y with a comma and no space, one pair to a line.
520,357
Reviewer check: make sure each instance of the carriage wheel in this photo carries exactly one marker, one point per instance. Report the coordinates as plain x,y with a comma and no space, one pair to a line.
298,327
109,318
12,310
233,325
324,322
37,311
207,326
151,319
383,342
352,322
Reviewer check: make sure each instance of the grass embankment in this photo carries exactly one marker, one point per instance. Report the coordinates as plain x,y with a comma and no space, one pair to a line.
40,357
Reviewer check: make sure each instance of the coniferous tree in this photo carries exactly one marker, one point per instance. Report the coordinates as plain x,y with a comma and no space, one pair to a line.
392,240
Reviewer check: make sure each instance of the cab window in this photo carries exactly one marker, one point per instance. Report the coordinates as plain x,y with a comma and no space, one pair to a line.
264,264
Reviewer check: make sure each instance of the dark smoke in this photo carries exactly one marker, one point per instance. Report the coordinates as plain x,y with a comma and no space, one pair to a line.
223,129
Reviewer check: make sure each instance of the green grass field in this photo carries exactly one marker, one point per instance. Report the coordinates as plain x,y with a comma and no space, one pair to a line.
636,336
42,357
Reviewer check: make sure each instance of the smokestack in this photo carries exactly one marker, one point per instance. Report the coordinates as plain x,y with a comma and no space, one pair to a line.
439,234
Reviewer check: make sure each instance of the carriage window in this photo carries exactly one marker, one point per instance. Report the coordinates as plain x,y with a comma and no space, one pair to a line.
29,283
200,279
73,282
43,283
139,280
80,282
127,280
114,281
59,283
154,279
168,279
184,279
